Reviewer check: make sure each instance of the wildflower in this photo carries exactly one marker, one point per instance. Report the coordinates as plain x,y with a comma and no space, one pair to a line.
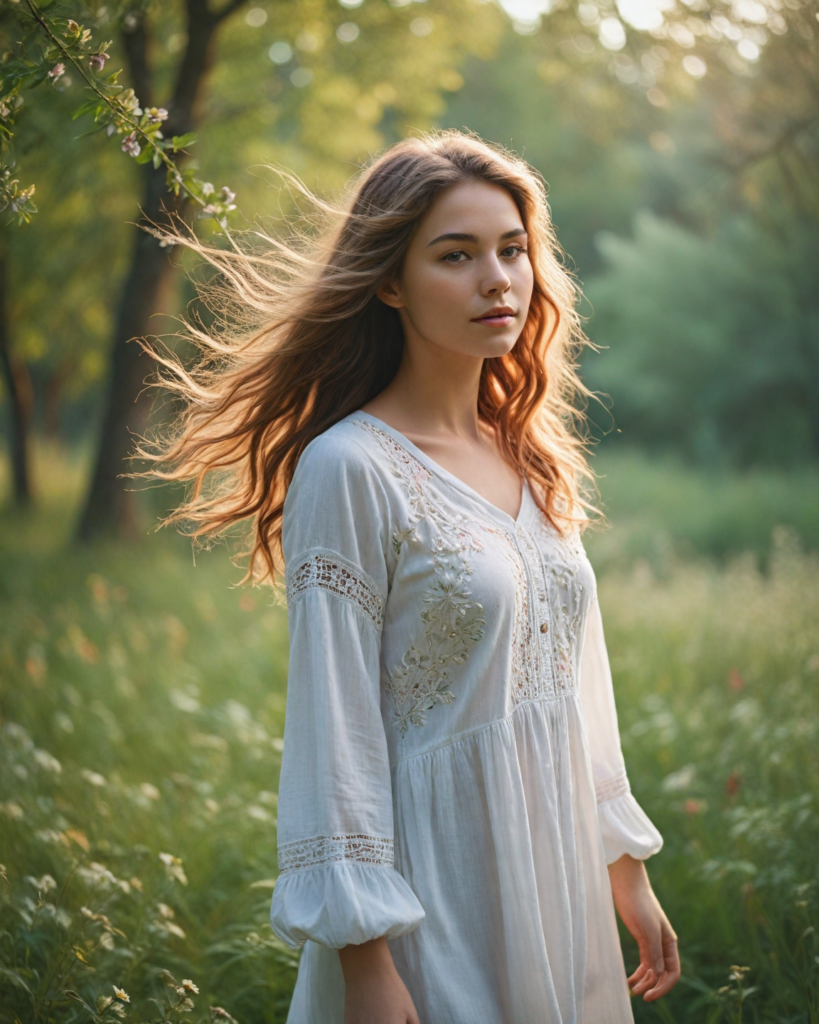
4,110
189,986
735,680
42,758
156,115
210,210
94,778
228,196
218,1013
50,835
97,61
97,875
44,884
122,995
73,27
173,866
130,104
56,72
208,189
78,837
130,145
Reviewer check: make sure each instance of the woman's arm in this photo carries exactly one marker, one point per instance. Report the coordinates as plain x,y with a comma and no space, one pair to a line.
337,883
628,835
659,969
374,991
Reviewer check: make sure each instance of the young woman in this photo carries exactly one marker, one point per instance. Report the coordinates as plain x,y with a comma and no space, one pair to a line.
455,820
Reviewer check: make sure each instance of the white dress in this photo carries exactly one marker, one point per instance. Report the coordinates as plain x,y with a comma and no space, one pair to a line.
452,776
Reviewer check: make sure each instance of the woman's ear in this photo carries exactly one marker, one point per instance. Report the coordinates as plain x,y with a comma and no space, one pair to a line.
390,294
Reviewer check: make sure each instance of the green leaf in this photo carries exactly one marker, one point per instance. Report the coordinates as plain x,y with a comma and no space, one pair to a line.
180,141
145,156
88,107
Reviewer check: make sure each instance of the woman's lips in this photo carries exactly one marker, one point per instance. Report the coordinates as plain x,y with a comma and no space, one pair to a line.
495,319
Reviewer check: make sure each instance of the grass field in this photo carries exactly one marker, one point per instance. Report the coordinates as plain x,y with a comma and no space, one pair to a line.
142,705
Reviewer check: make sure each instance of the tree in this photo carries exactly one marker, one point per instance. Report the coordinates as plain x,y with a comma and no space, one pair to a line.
333,85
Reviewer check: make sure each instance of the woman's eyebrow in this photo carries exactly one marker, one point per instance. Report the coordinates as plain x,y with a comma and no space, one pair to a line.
459,236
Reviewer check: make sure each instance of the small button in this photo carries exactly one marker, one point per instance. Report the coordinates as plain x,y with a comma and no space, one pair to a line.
544,627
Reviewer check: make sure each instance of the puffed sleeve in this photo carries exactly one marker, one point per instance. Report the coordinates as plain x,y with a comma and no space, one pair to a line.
337,884
624,825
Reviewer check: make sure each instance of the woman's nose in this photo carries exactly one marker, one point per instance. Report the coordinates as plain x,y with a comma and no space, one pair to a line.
496,279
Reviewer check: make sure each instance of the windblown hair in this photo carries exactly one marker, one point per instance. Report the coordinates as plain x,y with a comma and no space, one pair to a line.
301,340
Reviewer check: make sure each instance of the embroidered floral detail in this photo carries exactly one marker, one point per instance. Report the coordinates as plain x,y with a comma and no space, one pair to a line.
329,571
307,853
453,621
617,785
415,477
566,573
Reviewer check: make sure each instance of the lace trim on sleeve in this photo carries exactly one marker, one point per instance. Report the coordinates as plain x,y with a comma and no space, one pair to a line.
610,788
331,572
307,853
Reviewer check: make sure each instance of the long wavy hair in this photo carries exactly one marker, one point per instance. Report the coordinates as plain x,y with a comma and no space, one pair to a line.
299,340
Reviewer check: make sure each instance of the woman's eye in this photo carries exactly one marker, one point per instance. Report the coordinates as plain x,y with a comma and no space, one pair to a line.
513,251
454,257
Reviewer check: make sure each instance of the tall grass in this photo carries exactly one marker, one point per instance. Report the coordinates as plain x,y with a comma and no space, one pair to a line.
141,707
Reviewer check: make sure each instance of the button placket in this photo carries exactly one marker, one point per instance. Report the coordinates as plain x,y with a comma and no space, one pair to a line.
534,564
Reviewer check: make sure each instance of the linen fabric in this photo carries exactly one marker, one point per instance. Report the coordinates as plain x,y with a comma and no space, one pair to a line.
452,776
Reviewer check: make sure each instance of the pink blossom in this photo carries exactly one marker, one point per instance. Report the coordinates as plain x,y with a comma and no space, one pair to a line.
97,61
130,145
56,72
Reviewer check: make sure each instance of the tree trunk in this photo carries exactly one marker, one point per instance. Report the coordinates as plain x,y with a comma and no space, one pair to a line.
110,507
19,401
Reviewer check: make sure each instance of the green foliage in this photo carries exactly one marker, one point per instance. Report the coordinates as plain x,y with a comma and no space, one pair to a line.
142,720
716,679
712,341
659,508
142,702
48,43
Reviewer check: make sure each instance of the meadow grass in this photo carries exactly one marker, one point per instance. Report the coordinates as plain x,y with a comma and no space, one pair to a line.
142,707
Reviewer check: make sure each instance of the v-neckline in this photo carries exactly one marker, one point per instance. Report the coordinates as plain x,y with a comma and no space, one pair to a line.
454,481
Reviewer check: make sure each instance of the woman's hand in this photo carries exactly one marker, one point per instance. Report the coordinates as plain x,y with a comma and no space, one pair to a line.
374,992
659,969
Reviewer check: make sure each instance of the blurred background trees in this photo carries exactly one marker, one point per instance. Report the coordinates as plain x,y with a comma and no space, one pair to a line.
680,142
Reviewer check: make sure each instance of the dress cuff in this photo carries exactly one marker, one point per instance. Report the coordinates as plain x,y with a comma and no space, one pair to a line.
343,903
626,828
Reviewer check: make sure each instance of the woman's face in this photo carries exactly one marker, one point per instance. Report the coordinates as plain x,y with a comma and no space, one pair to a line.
467,281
